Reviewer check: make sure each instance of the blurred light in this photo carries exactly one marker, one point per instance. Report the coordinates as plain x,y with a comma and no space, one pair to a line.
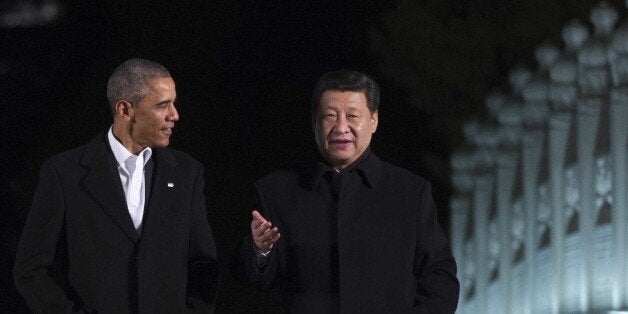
30,13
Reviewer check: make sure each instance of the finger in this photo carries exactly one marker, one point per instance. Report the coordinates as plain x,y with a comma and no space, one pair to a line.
259,240
263,228
266,226
258,220
268,234
256,224
257,216
270,242
274,238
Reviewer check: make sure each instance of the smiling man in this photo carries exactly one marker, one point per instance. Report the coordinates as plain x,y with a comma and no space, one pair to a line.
350,233
120,225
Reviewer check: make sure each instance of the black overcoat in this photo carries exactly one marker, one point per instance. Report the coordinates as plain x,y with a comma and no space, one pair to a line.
80,251
381,252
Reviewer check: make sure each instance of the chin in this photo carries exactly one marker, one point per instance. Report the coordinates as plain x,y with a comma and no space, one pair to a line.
340,157
337,160
161,144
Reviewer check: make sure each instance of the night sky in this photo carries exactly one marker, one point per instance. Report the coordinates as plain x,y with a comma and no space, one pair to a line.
244,72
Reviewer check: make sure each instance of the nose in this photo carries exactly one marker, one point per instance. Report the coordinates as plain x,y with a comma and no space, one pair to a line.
173,114
342,125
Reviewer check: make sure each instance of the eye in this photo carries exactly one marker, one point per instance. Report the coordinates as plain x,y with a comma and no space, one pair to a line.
329,116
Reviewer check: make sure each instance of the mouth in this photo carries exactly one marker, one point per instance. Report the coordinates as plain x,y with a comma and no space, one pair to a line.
167,130
340,143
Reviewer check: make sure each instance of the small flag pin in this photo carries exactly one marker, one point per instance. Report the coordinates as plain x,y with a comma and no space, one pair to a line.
170,184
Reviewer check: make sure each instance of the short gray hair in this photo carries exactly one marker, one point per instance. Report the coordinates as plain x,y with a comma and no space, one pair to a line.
130,81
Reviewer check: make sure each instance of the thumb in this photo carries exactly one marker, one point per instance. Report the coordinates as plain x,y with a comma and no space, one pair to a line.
257,216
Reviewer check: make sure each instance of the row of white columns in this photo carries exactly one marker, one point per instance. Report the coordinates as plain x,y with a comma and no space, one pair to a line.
538,217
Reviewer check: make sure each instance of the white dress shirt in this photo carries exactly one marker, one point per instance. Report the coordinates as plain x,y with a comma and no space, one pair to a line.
131,170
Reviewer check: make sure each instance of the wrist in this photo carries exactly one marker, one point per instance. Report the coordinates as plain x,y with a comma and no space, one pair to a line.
263,253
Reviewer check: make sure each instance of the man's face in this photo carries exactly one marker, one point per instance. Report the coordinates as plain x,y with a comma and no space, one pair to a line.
154,116
343,127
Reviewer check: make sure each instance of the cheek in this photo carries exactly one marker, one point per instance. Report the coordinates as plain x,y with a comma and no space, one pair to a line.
364,133
359,129
323,130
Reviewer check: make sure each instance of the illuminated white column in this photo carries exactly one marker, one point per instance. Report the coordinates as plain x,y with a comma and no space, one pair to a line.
604,279
521,226
507,160
619,135
562,95
535,112
486,141
594,160
536,93
570,256
508,114
517,290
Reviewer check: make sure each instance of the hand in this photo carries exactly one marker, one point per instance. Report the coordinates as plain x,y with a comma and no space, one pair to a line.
264,235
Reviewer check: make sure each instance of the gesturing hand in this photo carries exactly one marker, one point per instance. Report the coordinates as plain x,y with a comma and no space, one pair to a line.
264,235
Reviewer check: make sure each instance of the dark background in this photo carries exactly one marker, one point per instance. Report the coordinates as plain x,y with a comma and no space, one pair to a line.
244,72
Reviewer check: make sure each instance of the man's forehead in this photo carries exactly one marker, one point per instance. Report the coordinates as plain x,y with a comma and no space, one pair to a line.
334,97
161,82
162,85
329,92
344,105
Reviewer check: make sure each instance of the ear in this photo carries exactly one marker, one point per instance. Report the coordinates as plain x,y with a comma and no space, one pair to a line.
374,121
124,110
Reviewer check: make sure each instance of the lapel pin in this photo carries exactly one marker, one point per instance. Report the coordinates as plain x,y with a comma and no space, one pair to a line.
170,184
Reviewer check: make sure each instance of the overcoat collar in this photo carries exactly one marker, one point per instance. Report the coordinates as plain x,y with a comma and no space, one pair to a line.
102,182
368,167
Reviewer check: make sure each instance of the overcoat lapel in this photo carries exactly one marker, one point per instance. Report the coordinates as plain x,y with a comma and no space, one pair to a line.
103,183
163,186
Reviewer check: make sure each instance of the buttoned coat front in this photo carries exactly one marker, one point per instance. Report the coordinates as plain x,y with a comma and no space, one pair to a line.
382,251
79,250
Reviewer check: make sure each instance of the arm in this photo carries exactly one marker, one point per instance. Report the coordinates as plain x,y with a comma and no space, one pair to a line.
203,270
434,265
39,273
250,264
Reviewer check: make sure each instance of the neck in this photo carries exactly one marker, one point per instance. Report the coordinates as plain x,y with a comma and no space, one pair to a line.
123,135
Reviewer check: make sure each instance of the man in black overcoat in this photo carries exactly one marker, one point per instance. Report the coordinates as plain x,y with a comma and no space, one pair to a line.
120,225
350,233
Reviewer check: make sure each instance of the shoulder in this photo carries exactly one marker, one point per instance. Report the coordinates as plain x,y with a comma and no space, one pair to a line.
179,156
392,175
65,159
280,179
298,173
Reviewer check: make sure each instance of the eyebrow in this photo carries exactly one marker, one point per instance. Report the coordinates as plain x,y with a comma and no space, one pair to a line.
165,102
350,107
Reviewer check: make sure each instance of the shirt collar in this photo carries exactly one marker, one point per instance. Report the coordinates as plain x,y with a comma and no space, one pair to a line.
121,153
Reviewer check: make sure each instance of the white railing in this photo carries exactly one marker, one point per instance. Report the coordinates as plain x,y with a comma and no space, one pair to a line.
539,211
